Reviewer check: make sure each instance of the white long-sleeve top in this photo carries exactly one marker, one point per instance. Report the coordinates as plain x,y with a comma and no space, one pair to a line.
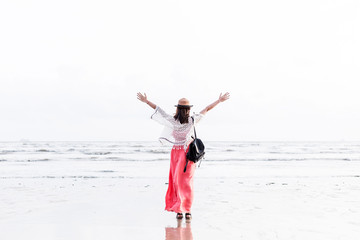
175,132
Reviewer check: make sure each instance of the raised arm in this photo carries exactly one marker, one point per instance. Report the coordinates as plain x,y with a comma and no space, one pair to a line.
144,99
222,98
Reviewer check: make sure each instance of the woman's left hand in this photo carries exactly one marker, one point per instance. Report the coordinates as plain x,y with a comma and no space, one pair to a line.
141,97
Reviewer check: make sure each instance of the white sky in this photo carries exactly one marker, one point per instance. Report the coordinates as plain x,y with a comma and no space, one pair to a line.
70,70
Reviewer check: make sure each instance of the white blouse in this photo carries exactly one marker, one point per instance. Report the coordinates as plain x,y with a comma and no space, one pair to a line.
175,132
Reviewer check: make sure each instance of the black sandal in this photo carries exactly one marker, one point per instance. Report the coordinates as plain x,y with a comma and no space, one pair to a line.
188,216
179,216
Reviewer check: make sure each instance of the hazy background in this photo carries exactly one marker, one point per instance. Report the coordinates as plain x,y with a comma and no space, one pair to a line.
70,70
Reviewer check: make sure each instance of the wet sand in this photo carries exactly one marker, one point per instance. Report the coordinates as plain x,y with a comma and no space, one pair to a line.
233,200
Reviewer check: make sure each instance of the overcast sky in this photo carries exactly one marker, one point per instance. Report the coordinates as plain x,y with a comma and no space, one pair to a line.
70,70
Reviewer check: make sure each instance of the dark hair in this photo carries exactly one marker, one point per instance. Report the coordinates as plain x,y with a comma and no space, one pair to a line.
182,114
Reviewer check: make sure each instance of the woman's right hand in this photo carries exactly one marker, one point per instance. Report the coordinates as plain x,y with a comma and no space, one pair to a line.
224,97
141,97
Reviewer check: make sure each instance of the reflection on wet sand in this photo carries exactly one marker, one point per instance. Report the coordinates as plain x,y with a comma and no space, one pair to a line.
181,232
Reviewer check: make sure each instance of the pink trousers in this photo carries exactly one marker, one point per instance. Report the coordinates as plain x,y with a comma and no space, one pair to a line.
180,195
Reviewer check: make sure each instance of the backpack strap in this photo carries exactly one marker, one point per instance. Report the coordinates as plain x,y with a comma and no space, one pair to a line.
187,160
194,126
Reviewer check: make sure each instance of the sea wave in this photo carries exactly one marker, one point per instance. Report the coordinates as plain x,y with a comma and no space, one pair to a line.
151,151
45,150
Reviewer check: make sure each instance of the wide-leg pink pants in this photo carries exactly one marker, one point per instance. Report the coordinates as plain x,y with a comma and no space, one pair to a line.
179,196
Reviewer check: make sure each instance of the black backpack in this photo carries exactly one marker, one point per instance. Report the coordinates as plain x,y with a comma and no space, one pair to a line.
196,150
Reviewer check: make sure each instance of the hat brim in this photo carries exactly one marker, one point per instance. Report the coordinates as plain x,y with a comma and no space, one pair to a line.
183,106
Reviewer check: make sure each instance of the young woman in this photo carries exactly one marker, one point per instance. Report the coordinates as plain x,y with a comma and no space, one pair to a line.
178,130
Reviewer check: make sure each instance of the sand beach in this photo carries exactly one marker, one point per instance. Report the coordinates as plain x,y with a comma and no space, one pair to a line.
109,190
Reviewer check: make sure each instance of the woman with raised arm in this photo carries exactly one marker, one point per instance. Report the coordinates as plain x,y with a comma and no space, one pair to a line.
179,130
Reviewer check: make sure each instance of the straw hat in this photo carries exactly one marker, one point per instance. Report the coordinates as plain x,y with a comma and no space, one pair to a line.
183,103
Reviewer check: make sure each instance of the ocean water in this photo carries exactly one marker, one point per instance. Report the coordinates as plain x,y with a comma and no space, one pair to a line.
114,159
32,152
243,190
